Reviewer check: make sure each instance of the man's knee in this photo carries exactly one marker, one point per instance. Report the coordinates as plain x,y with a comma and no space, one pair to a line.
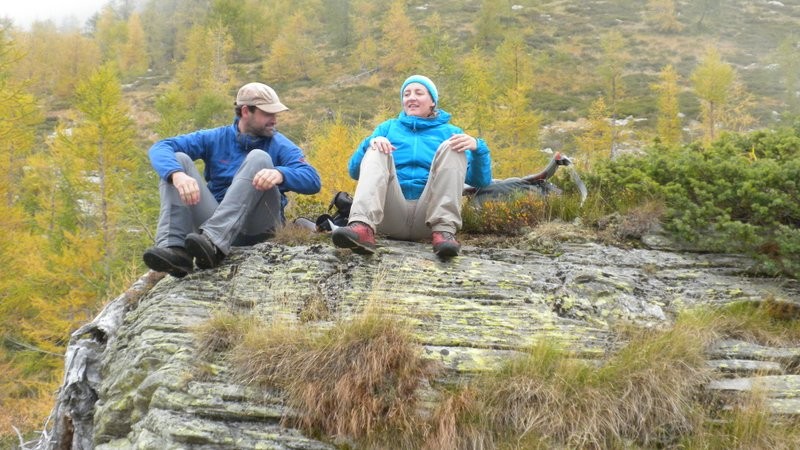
183,159
259,157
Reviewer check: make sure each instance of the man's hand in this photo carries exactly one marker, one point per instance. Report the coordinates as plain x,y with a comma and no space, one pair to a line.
463,142
187,188
267,179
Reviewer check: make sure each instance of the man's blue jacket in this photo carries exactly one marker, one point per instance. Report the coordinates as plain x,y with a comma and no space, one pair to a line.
224,149
416,140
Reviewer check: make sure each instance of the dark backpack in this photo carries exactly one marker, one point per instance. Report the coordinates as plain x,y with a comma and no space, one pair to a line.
338,212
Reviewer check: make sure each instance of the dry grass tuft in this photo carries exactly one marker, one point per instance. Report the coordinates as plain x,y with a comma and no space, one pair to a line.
767,322
293,234
549,237
655,379
352,381
315,308
222,332
507,215
457,423
644,394
633,224
746,425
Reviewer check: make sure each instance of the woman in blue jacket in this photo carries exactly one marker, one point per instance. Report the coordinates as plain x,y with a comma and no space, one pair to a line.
411,172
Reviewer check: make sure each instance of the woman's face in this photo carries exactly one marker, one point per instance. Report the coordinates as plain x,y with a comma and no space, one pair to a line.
417,101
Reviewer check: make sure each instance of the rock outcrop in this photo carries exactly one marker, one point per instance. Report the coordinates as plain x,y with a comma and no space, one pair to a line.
134,380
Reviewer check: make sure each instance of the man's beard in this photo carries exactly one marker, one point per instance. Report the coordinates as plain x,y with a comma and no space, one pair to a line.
259,132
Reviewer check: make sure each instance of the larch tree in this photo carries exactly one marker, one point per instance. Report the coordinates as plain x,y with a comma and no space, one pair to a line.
437,45
133,58
487,26
668,122
30,370
787,56
712,81
53,62
736,115
330,146
663,14
37,49
206,64
199,97
474,105
110,33
293,54
99,157
233,15
516,130
339,23
612,68
19,248
513,64
516,134
166,25
19,116
365,54
595,141
77,57
400,41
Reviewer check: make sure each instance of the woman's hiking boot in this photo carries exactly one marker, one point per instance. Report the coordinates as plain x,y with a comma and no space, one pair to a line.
445,244
357,236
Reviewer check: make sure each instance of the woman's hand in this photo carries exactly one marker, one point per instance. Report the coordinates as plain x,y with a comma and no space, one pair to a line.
381,144
463,142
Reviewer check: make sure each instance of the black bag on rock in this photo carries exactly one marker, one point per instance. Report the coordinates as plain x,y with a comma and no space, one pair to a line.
338,212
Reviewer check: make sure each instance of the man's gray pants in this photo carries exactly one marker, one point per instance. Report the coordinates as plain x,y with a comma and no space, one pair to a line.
245,215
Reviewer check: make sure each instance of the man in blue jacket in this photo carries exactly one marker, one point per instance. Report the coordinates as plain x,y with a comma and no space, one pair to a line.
241,198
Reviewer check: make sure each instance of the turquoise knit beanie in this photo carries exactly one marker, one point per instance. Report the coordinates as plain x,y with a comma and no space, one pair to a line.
425,81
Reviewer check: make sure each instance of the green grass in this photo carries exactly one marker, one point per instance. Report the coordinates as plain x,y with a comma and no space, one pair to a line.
772,321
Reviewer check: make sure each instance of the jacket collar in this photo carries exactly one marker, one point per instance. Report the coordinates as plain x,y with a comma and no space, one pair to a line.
421,123
247,142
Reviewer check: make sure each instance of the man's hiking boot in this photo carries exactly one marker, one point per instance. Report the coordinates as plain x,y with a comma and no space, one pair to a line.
172,260
357,236
205,253
445,244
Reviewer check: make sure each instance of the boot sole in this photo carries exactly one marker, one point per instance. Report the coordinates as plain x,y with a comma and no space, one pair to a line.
159,264
343,240
447,251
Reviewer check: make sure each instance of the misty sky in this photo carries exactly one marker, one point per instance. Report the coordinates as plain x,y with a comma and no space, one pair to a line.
24,12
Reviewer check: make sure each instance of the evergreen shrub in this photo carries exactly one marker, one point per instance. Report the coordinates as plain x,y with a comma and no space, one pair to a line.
738,195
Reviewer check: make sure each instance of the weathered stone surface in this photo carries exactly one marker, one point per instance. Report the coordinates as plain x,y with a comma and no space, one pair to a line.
730,348
746,366
783,386
781,392
471,313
